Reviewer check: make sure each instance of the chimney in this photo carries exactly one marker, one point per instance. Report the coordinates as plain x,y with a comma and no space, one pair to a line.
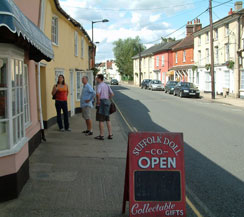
230,12
197,25
189,28
238,5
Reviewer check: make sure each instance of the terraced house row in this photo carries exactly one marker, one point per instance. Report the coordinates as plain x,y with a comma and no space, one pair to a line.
38,42
188,59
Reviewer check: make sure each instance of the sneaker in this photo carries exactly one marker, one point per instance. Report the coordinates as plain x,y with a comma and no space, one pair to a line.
89,133
61,130
69,130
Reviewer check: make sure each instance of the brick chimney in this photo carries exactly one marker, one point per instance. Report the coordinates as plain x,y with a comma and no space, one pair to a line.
238,5
189,28
197,25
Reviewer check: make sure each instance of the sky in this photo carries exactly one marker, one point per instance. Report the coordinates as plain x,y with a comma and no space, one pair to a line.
148,19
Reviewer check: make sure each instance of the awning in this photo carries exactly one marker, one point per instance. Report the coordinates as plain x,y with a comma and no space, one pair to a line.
171,72
17,23
183,67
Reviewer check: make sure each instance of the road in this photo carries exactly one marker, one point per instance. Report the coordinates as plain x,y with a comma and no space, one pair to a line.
214,145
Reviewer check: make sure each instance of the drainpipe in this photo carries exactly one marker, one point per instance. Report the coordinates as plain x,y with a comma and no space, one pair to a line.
40,102
239,55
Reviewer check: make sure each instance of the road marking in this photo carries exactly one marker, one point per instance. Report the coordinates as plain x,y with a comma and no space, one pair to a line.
133,129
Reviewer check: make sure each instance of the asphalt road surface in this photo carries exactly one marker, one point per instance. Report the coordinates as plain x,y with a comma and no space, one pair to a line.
214,145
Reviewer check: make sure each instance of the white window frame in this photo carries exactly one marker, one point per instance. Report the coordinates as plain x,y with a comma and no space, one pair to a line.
227,52
216,31
216,54
14,56
227,29
82,47
207,55
207,37
184,56
78,85
157,61
57,73
163,59
27,119
199,57
199,40
76,43
54,30
242,80
176,57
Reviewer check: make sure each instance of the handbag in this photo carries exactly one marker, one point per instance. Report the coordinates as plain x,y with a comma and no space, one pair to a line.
54,96
112,108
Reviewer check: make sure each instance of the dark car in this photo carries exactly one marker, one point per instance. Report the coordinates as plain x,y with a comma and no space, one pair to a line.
114,82
145,83
169,87
186,89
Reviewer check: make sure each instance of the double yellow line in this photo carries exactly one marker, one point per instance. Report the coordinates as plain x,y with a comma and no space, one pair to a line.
190,204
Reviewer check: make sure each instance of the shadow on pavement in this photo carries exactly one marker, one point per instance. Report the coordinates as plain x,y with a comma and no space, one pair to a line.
212,189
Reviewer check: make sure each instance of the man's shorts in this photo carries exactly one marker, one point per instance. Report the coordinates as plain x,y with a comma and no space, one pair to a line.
86,113
101,118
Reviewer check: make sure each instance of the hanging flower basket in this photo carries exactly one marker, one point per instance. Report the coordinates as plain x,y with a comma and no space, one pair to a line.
230,64
194,68
207,66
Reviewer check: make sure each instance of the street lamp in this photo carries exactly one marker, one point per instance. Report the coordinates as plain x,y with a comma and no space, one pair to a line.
97,21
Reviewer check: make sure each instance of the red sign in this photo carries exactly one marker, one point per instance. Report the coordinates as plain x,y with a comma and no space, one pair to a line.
155,177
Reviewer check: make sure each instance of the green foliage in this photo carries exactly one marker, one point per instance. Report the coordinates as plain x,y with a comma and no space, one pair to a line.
194,68
167,39
207,66
230,64
124,50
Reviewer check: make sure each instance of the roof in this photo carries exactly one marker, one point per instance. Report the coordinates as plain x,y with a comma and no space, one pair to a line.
18,29
72,20
187,42
157,48
228,19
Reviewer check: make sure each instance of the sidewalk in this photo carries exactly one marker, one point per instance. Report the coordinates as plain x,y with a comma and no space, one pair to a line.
220,99
72,175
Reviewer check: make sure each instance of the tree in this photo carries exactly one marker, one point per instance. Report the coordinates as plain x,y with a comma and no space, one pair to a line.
167,39
124,50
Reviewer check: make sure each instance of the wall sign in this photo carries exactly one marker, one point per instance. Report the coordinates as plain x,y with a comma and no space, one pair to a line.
155,177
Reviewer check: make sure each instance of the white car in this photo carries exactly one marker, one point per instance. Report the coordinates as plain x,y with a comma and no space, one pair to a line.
156,85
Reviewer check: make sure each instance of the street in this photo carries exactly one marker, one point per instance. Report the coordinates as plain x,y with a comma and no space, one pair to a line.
214,144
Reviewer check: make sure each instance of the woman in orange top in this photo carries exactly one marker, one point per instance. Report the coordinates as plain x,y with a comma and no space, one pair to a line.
61,91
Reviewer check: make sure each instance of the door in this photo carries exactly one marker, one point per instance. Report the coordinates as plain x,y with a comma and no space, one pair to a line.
71,89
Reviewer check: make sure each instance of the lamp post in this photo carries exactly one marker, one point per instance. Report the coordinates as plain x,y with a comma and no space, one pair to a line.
93,53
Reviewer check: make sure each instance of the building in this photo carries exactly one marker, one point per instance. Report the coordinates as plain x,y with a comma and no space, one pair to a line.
72,49
112,70
101,68
22,46
228,47
163,61
183,54
147,65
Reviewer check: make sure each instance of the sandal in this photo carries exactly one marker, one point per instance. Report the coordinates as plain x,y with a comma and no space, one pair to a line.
110,136
99,137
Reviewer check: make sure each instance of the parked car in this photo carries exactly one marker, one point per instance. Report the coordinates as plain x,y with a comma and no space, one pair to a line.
144,83
186,89
169,87
114,82
156,85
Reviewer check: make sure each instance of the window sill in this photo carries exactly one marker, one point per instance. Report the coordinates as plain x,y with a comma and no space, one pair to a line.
53,43
14,149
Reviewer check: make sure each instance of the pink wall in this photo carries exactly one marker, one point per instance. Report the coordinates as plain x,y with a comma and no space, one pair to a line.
30,8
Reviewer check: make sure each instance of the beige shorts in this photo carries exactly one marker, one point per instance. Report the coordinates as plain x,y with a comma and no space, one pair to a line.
86,113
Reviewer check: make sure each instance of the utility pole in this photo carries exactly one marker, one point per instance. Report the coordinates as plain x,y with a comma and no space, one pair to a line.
211,50
139,65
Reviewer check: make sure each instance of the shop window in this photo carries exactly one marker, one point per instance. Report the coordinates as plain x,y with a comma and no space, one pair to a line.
26,97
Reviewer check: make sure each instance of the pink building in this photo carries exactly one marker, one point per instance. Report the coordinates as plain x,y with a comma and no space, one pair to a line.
22,46
163,61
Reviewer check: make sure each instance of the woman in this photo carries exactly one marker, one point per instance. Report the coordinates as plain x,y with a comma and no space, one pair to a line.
60,90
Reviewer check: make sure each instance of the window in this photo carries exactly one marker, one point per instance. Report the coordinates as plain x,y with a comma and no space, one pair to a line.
227,79
227,52
184,56
57,73
199,57
176,57
207,37
78,85
207,56
157,61
12,95
162,60
216,54
82,47
242,79
216,33
199,40
26,97
227,31
76,44
54,34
